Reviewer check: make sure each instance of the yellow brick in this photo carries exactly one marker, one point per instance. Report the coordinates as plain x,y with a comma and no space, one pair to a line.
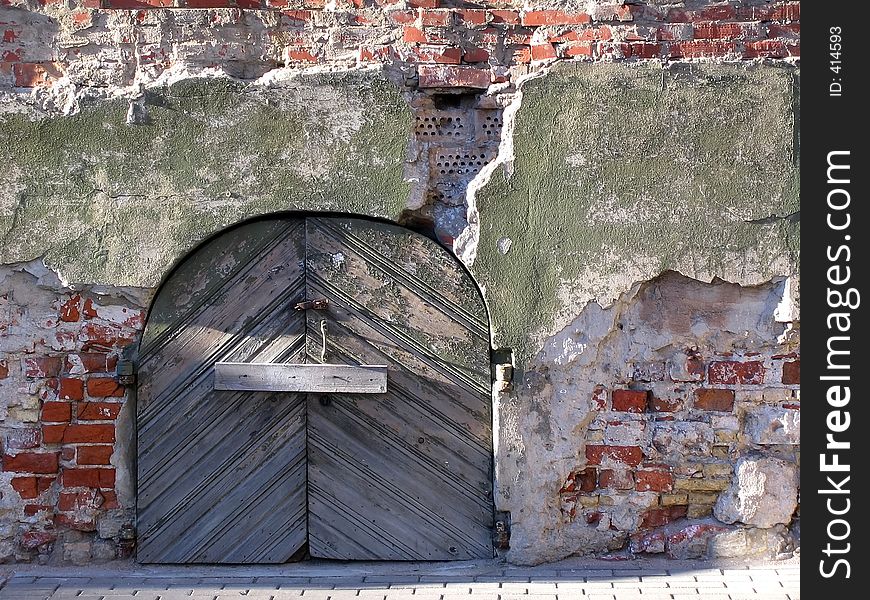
594,437
672,499
701,485
587,501
718,470
696,511
702,498
723,435
721,452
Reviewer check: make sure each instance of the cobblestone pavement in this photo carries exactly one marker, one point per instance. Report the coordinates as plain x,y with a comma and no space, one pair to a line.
477,580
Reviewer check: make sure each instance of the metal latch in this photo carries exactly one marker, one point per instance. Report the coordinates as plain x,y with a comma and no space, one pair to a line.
319,304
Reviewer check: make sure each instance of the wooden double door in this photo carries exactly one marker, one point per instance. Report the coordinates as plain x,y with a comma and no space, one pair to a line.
273,476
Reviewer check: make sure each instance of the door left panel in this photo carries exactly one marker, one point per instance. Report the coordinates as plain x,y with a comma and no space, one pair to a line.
222,474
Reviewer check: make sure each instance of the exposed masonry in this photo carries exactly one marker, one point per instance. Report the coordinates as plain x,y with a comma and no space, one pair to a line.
660,431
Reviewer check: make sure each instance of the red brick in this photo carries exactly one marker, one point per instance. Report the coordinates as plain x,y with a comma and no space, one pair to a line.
718,31
633,401
717,13
665,404
110,500
104,337
68,453
98,411
436,17
79,434
475,55
413,35
554,17
654,481
731,372
301,55
32,540
787,12
629,455
137,4
787,30
42,366
93,478
765,49
713,399
439,54
656,517
35,74
31,462
508,17
208,3
579,49
25,486
56,412
580,481
423,3
94,455
678,15
791,372
69,311
599,398
645,49
4,369
71,389
104,387
87,499
543,51
91,362
402,17
615,479
701,48
472,16
453,76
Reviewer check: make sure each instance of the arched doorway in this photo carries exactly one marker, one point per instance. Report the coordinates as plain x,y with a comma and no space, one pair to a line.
229,475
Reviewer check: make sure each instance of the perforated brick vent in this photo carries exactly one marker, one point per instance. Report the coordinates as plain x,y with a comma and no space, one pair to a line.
441,124
490,123
455,162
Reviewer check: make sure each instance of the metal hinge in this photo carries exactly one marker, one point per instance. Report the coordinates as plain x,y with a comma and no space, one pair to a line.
125,372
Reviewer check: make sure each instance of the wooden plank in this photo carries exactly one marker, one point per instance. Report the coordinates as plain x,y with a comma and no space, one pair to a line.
269,377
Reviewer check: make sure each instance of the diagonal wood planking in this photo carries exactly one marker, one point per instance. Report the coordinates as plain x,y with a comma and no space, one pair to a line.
224,475
221,474
405,475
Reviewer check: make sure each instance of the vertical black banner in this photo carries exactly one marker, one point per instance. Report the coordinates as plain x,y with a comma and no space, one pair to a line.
834,271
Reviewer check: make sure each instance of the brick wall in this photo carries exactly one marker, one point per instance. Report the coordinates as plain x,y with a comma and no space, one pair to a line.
62,401
122,42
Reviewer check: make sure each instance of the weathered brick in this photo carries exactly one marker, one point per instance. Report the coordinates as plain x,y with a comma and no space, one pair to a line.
599,398
701,49
656,517
654,480
701,484
634,401
4,369
714,399
600,454
25,486
32,540
94,455
41,366
22,439
543,51
791,372
69,311
79,434
56,412
665,404
554,17
104,387
90,362
508,17
31,462
98,411
617,479
93,478
731,372
453,76
674,499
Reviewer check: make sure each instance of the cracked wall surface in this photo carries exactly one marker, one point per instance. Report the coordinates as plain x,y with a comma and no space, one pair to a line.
620,179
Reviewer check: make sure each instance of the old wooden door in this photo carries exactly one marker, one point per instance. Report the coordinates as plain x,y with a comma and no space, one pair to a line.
248,477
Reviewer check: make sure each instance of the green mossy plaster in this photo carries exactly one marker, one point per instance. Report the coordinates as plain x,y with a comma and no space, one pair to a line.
624,171
107,202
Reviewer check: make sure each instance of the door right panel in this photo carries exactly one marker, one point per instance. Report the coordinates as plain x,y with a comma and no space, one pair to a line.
405,475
